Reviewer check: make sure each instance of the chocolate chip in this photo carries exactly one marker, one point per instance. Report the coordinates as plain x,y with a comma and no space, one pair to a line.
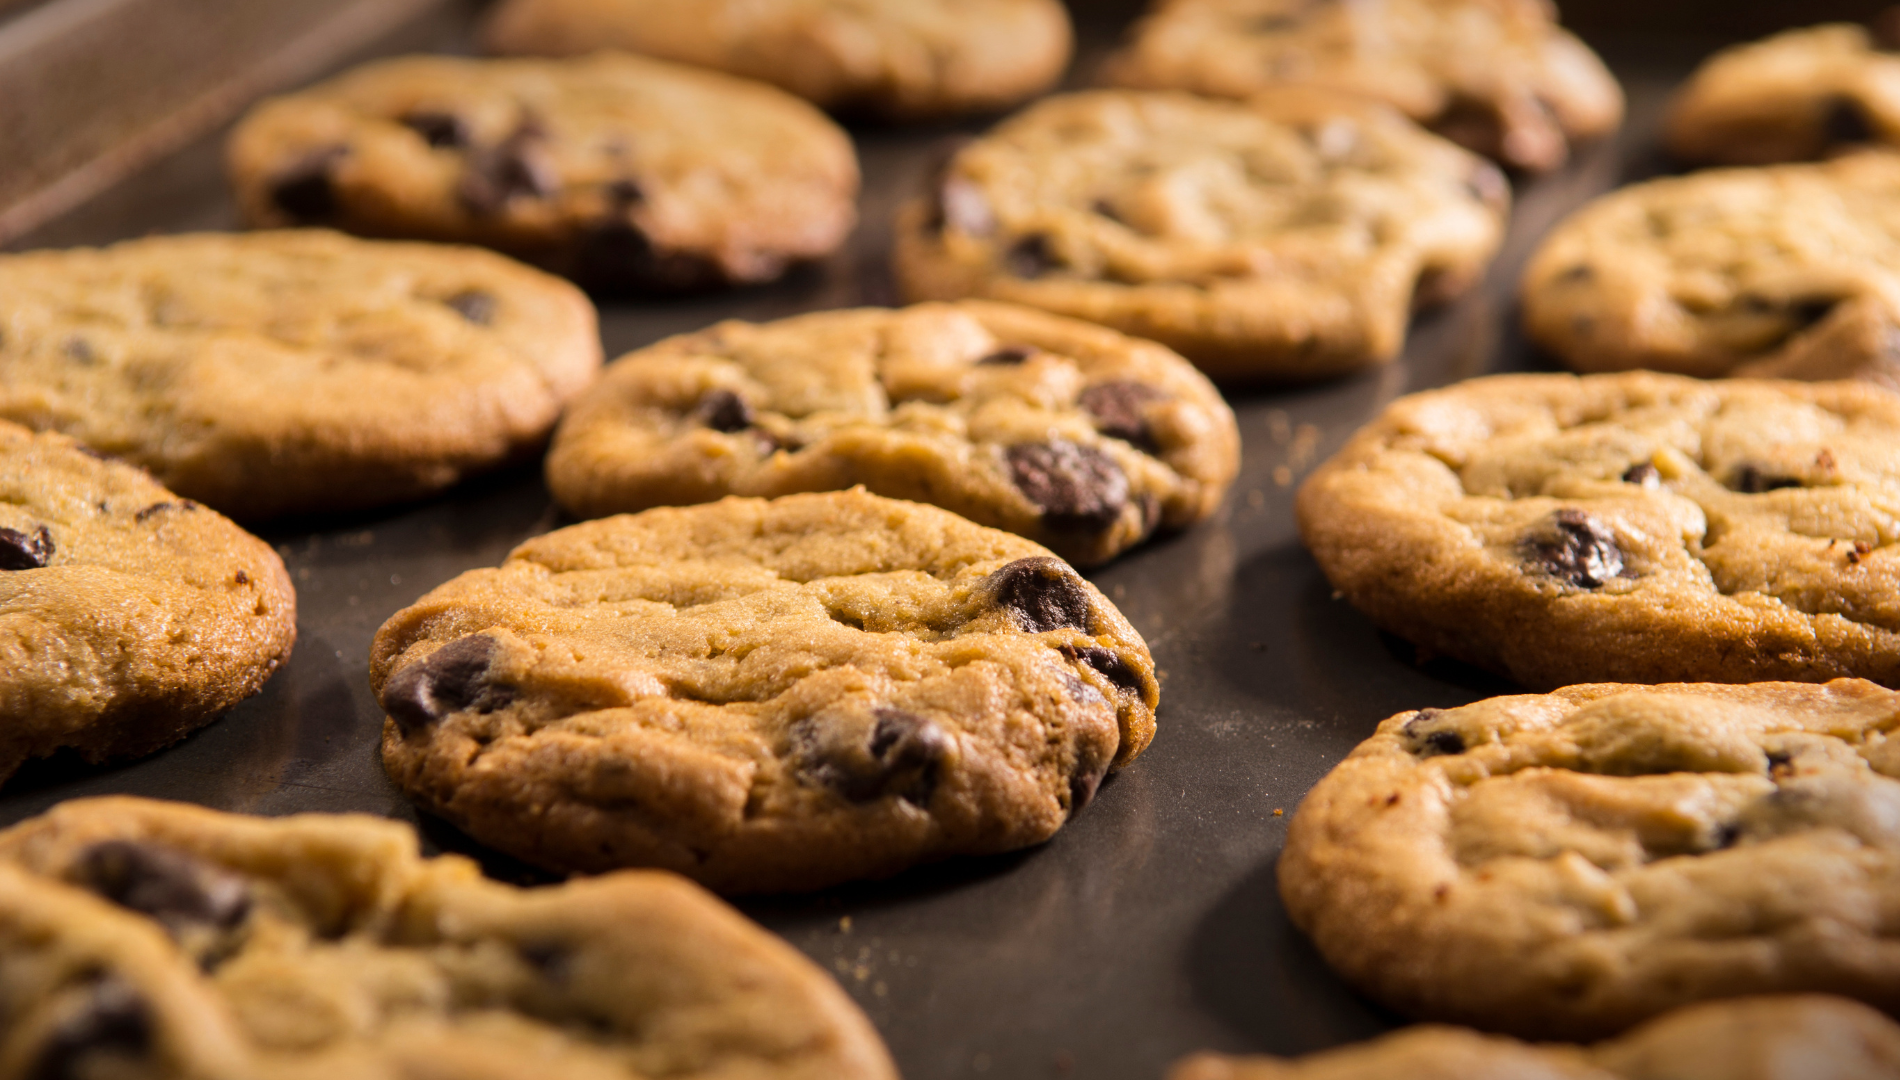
1575,548
723,410
474,305
1041,594
516,167
1726,835
113,1019
617,257
624,193
153,510
452,679
25,551
1847,122
1643,474
1111,664
902,758
1750,480
1009,355
1077,488
1117,408
1031,257
1431,743
1445,742
439,129
306,190
175,888
1084,783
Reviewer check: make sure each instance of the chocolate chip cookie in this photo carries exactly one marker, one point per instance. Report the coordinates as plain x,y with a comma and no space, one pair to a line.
1497,76
1792,97
1290,237
1564,866
1788,271
1067,433
292,372
128,616
1766,1038
624,173
901,58
763,695
1632,528
144,938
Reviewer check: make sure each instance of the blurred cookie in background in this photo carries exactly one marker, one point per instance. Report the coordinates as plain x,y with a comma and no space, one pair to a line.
624,173
907,59
1499,77
1070,434
1289,237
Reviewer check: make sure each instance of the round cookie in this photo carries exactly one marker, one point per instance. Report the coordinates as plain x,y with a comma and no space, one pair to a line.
1497,76
763,695
624,173
1290,237
1564,866
1766,1038
1072,435
292,372
1792,97
147,938
1788,271
900,58
128,616
1632,528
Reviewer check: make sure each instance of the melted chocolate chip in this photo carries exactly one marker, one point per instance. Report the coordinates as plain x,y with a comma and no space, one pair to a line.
306,191
114,1019
1009,355
1117,408
175,888
25,551
1750,480
516,167
452,679
1031,257
1445,742
723,410
1077,488
1431,743
1847,122
1575,548
1041,594
1643,474
617,257
902,758
1086,780
1110,663
474,305
439,129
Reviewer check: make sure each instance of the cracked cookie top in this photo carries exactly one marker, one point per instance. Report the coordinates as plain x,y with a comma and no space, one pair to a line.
621,172
1795,96
1564,866
291,372
1497,76
1637,527
1790,271
1072,435
1764,1038
147,938
1289,237
900,58
763,695
128,616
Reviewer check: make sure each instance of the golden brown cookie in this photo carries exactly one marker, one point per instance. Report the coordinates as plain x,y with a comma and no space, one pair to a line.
153,939
763,695
1636,528
1567,865
903,58
1497,76
1072,435
128,616
622,172
1289,237
292,372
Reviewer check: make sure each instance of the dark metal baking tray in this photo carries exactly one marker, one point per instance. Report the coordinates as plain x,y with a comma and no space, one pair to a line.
1150,926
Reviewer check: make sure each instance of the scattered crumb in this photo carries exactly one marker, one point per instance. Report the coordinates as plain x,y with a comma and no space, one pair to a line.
1279,813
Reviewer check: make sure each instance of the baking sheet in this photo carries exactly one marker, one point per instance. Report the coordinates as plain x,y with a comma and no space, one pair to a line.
1149,927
